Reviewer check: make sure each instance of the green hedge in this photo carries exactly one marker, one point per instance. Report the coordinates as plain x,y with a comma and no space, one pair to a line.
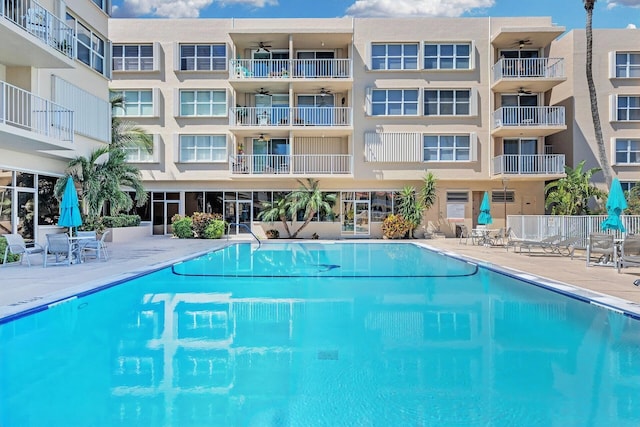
121,221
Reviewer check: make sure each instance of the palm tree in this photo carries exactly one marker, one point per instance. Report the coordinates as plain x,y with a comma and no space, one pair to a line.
571,195
409,207
597,127
276,211
125,133
101,177
311,200
428,191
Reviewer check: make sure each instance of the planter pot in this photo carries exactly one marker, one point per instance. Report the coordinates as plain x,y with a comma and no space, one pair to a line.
127,234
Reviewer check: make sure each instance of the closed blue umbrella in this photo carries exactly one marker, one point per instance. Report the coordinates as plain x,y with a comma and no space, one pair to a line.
69,211
485,210
616,203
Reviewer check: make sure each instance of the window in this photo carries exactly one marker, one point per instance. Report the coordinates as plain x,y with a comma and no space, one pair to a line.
90,47
381,205
136,154
203,57
135,103
447,56
447,148
627,64
627,151
203,148
394,56
394,102
203,103
457,197
628,185
628,108
133,57
447,102
503,197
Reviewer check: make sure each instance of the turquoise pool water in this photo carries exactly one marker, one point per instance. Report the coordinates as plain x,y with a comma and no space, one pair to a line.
360,335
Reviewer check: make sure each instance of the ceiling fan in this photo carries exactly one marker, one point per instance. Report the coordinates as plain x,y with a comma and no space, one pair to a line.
262,46
523,91
324,92
263,91
522,43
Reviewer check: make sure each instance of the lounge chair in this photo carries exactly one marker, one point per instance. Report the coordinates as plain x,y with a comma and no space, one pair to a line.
95,248
602,245
564,247
17,246
544,244
464,234
629,252
65,251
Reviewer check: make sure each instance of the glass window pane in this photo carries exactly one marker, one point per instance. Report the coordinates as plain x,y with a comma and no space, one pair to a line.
378,50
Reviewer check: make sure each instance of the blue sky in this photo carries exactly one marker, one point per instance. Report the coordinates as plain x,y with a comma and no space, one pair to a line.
567,13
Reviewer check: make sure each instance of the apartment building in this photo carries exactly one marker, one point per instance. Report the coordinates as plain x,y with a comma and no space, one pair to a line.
616,74
241,109
54,102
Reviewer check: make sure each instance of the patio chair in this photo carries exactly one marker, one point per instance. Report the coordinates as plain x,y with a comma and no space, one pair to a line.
59,245
17,246
564,247
464,234
601,245
629,252
96,248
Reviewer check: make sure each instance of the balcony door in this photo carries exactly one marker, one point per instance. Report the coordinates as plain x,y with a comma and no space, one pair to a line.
520,155
521,63
317,109
315,63
519,116
271,155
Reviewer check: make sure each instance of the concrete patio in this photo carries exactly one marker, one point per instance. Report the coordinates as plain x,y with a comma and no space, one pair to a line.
22,288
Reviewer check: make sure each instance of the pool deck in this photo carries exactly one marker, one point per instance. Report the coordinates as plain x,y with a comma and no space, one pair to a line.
23,288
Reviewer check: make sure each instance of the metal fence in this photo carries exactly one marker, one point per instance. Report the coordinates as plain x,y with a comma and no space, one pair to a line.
536,227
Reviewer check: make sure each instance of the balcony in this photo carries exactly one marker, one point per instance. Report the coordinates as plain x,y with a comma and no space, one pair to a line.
546,166
528,121
50,44
252,69
290,116
28,122
536,74
291,164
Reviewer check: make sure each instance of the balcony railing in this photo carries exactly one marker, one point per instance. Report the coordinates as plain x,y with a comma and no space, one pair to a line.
294,116
36,20
530,68
291,164
529,116
529,164
290,68
27,111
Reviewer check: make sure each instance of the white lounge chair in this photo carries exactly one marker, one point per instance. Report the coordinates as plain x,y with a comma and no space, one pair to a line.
17,246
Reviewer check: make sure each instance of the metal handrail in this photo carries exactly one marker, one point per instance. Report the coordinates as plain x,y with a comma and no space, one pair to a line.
245,226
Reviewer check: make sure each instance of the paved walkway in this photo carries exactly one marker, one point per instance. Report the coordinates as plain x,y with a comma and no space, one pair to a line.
22,288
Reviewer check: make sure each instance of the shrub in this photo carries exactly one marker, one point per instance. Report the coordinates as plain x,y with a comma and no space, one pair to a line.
183,227
201,221
3,247
93,223
121,221
395,227
215,229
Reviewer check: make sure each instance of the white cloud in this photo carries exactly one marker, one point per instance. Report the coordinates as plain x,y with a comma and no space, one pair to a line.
630,3
631,27
409,8
179,8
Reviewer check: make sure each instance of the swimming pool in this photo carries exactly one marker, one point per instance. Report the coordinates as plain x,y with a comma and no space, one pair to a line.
343,334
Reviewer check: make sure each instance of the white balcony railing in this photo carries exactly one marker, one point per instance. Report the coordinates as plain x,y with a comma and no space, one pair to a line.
27,111
529,116
530,68
528,164
36,20
291,164
285,116
290,68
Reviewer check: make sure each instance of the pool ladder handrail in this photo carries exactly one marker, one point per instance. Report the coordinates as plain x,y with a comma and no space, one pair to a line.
248,229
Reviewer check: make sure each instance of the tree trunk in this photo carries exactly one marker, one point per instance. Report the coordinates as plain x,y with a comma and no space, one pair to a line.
306,222
286,226
602,152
